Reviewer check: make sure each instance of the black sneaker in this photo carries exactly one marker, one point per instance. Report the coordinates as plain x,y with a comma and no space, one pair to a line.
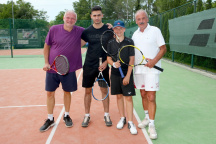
68,121
107,120
86,121
48,124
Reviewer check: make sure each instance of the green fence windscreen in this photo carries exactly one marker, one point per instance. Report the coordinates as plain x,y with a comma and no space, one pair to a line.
194,34
130,30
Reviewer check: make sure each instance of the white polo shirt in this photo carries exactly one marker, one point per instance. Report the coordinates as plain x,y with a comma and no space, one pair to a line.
148,42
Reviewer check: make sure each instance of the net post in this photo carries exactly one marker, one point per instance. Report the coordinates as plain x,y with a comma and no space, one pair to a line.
10,21
194,6
173,54
192,61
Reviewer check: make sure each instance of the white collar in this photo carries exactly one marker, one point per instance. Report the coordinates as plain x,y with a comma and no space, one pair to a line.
148,27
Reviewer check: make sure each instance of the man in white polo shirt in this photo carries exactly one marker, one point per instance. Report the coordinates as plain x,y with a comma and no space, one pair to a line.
151,42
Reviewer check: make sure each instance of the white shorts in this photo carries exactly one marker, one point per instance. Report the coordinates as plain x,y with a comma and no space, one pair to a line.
149,82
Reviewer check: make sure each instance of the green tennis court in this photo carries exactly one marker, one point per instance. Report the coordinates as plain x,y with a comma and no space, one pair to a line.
185,107
185,103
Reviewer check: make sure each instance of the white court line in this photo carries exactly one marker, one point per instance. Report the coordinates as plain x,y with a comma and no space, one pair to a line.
28,106
143,130
199,71
59,118
24,69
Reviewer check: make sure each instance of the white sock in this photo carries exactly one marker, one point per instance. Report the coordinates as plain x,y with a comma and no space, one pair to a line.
88,115
146,114
50,117
66,113
151,122
106,114
130,122
122,118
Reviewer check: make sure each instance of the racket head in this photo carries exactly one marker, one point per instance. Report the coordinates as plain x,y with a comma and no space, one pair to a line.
105,38
139,57
61,65
100,83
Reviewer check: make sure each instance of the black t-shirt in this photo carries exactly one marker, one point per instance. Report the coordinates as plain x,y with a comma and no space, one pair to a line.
112,48
94,51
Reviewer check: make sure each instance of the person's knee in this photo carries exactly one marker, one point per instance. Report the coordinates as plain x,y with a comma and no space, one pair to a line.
67,94
129,99
119,97
143,94
50,95
151,98
88,91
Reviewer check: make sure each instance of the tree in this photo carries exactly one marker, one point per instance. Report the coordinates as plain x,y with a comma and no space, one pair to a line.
137,5
200,6
208,4
6,10
214,4
119,9
83,9
60,16
22,10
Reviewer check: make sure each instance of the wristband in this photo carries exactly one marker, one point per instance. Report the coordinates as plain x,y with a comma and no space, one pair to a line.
114,65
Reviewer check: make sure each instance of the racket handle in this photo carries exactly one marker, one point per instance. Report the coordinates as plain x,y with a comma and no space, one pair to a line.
121,72
158,68
100,61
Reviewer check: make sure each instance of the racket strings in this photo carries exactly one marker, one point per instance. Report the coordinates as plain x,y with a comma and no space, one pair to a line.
100,89
102,83
123,54
138,57
124,58
62,65
105,38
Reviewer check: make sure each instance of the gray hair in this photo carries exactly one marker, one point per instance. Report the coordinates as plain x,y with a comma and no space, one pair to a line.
70,11
141,11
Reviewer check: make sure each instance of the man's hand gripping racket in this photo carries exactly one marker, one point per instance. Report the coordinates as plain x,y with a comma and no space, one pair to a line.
60,65
139,57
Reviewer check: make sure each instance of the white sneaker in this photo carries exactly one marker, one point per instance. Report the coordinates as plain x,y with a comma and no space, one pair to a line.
144,123
132,128
121,123
152,132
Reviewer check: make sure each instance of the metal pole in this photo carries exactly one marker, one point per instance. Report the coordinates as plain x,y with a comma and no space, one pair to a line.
192,56
127,9
11,39
12,14
173,53
13,28
90,13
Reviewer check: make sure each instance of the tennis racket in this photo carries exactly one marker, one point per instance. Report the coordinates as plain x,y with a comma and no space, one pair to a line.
105,37
100,83
60,65
139,57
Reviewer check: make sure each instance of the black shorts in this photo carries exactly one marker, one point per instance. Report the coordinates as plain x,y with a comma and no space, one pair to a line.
68,81
117,86
90,74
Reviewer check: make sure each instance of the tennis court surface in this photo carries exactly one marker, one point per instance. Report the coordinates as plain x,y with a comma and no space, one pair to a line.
185,107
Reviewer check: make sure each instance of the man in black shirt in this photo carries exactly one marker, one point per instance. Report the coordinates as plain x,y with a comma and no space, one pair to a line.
122,88
91,66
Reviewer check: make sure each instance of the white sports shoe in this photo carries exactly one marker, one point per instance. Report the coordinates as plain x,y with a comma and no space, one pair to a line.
132,128
144,123
152,132
121,123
